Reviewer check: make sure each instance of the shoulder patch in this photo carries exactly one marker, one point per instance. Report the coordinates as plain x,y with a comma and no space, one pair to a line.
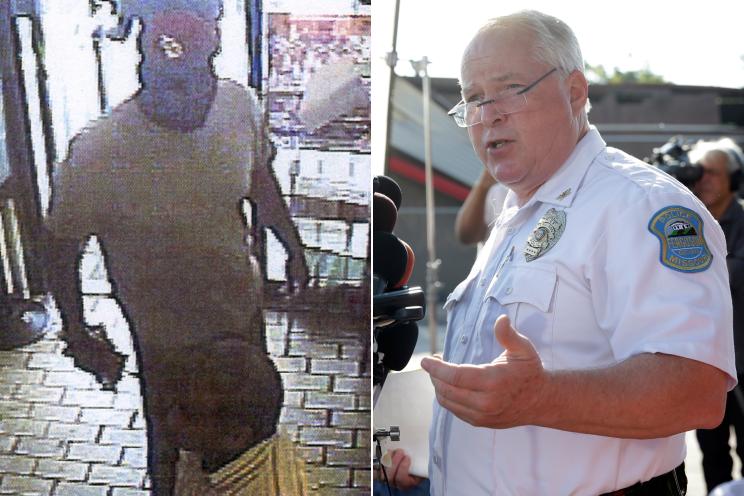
680,232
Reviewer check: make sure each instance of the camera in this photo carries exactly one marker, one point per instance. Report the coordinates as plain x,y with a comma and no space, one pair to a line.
673,158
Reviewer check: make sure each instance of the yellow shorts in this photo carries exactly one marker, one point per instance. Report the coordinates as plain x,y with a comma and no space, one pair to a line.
272,468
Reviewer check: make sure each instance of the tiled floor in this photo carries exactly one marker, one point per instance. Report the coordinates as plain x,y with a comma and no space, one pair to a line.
60,434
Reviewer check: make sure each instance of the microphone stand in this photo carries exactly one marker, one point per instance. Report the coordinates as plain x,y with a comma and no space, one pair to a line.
394,434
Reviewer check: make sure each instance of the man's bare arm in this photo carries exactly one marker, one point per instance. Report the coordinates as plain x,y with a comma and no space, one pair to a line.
470,224
62,257
88,346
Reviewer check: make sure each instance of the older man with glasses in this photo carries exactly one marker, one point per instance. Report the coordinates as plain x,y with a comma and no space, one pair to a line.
721,162
594,328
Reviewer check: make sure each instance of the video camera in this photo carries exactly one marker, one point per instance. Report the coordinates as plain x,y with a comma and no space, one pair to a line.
673,158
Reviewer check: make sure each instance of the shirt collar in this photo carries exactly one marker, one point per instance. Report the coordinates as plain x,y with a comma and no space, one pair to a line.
562,186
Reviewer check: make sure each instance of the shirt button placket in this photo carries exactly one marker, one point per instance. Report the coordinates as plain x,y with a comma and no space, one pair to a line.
438,467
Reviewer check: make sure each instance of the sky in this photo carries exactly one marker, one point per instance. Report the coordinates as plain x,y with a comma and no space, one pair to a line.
688,43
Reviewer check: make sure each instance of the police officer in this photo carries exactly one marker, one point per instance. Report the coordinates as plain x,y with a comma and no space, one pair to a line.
721,162
594,328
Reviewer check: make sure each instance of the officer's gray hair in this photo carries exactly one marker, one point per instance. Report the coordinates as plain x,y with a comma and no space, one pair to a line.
555,42
725,146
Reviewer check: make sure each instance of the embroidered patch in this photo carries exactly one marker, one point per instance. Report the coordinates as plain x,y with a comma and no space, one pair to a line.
680,232
546,234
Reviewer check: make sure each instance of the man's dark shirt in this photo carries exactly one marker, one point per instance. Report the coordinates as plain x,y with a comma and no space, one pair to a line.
732,223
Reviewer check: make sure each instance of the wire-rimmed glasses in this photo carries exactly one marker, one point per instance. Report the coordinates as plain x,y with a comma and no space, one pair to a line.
467,114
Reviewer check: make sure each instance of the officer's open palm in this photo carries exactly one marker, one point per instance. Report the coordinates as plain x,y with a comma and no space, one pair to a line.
501,394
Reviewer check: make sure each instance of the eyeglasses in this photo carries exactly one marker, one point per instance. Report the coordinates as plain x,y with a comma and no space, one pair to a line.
467,114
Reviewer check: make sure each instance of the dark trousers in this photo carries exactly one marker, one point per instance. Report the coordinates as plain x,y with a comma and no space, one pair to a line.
714,443
380,489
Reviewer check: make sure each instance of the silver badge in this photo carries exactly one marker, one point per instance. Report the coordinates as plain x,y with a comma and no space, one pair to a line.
546,234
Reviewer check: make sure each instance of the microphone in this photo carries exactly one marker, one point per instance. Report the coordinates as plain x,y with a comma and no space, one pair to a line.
399,305
410,261
389,188
395,344
396,307
389,261
392,266
384,213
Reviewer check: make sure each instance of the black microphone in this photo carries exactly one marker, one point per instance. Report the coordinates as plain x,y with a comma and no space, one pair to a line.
395,346
410,261
389,188
397,304
392,266
389,261
384,213
396,308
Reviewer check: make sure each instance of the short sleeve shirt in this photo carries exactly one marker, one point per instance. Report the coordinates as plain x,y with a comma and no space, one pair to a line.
604,291
166,205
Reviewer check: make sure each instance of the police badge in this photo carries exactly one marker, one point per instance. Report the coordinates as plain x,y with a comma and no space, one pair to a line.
546,234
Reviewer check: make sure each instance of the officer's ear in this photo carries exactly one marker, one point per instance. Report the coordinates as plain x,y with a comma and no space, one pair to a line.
578,90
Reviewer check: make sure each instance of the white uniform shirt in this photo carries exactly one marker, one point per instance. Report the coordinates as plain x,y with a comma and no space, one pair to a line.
600,295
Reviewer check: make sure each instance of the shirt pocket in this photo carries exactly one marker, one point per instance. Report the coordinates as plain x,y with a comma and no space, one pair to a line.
525,293
455,296
454,313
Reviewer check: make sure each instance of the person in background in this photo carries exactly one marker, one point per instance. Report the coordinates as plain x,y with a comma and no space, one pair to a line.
722,165
480,209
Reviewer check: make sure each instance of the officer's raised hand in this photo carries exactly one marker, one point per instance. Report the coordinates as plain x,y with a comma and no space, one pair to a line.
500,394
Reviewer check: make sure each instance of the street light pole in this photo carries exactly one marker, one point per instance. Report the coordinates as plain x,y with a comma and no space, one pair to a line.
432,264
391,59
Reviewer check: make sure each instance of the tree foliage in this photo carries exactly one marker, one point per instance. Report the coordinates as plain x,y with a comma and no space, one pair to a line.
599,74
